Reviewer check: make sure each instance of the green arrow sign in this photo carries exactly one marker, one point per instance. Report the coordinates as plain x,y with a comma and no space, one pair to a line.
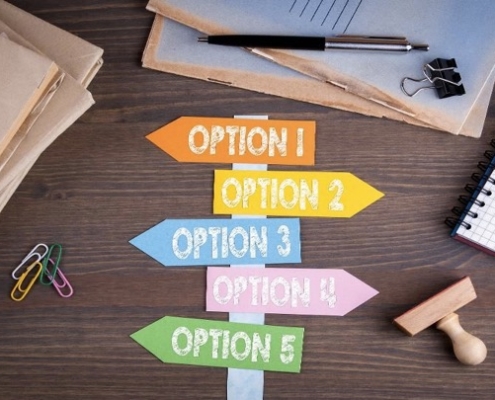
223,344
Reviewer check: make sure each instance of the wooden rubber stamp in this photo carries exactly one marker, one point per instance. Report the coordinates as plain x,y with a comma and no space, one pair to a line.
440,310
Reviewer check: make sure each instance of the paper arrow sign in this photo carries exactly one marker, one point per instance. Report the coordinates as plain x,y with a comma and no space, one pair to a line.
285,291
223,344
237,140
291,193
178,242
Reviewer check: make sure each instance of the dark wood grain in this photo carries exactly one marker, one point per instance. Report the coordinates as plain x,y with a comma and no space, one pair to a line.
102,183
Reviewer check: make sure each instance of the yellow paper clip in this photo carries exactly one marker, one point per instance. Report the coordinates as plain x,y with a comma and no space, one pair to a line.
18,292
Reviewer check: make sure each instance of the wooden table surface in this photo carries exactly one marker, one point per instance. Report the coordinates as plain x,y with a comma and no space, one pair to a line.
102,183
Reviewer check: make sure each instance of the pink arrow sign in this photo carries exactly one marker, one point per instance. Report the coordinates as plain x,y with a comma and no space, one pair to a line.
285,291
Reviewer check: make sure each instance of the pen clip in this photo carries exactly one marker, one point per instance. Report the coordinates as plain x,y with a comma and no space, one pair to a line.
384,43
403,38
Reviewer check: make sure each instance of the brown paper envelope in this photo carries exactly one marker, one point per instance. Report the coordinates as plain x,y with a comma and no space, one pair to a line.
24,129
36,112
74,55
172,47
69,102
77,57
450,115
26,78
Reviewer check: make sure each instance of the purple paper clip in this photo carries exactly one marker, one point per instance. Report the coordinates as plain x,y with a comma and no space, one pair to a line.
60,286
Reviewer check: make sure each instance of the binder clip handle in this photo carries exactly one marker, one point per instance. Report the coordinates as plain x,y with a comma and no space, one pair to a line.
441,73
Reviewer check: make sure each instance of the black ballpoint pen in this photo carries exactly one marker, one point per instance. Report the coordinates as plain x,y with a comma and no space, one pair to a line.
343,42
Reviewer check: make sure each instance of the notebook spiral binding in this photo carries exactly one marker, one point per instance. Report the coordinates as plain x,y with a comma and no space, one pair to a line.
486,167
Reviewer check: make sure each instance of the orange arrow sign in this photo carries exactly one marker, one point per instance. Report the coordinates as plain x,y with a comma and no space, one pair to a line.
229,140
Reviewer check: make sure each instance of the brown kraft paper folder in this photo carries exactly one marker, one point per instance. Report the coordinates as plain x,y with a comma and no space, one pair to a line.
26,79
67,105
172,47
74,55
36,112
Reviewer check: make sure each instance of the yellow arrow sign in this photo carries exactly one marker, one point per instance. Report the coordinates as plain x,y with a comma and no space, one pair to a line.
291,193
236,140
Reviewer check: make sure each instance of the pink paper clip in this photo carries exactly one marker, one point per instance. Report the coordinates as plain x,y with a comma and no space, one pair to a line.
62,286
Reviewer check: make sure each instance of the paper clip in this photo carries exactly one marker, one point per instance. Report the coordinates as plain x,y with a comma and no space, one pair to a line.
18,286
62,284
45,271
33,253
441,73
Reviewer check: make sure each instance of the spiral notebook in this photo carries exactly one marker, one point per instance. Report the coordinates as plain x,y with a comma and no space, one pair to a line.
475,222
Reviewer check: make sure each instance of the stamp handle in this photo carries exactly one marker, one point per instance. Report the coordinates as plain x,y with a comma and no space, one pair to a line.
468,349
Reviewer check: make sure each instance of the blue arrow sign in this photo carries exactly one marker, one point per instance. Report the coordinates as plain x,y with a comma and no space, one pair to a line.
179,242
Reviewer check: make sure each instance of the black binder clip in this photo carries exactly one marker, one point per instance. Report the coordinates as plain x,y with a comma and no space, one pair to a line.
441,73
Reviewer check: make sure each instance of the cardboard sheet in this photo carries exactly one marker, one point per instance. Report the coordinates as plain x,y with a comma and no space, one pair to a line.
448,24
173,47
76,56
68,103
25,80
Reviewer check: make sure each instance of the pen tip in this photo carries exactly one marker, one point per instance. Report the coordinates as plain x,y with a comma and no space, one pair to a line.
202,39
423,47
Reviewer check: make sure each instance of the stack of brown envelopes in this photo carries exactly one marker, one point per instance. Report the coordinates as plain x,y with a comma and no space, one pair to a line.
44,75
